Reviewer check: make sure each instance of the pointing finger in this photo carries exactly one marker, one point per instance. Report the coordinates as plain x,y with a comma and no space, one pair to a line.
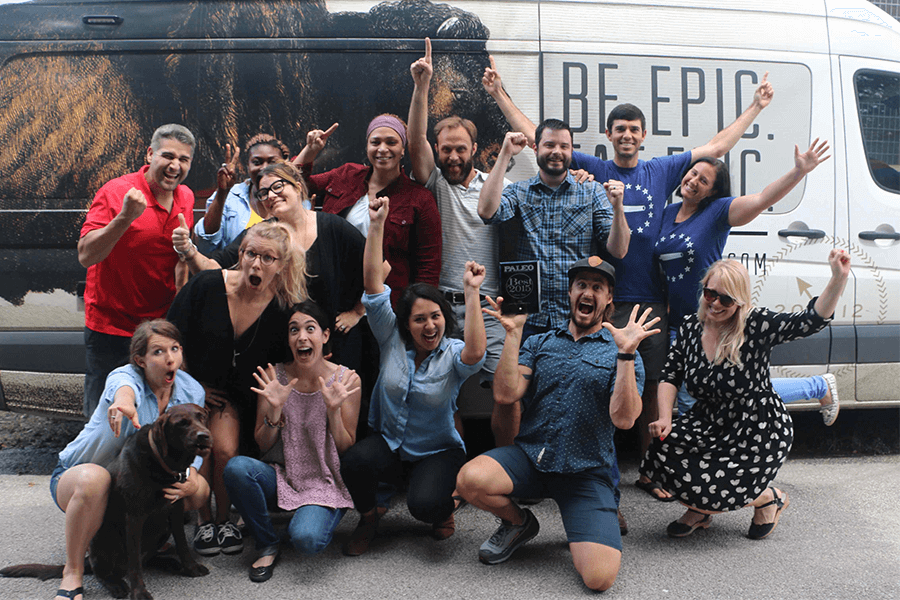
493,64
428,50
329,131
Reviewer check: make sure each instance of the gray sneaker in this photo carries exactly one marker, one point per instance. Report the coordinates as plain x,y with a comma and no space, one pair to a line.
230,539
507,539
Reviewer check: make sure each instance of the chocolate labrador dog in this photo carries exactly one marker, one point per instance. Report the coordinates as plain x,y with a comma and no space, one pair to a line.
138,517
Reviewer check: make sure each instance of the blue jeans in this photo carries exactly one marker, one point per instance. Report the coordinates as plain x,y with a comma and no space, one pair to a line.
791,389
251,486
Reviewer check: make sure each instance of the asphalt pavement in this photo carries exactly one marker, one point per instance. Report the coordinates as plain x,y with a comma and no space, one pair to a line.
838,539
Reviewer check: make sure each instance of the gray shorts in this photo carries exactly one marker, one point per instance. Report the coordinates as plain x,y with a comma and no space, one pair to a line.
495,337
655,348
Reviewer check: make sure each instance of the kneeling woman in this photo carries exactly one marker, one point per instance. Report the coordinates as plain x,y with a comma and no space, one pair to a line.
414,400
134,396
725,452
307,410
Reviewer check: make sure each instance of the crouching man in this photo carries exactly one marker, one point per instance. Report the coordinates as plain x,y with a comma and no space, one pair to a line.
577,383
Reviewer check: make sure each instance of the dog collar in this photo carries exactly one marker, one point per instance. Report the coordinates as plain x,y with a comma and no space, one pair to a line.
179,477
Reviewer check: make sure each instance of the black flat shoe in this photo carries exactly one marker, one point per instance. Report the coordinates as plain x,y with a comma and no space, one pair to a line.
261,574
676,529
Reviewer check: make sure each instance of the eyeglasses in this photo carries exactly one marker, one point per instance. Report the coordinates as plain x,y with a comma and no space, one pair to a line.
710,296
276,187
266,259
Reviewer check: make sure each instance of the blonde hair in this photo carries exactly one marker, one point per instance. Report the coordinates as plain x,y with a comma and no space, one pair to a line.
290,281
735,282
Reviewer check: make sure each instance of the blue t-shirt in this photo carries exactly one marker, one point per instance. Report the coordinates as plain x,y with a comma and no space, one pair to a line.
686,250
647,186
98,445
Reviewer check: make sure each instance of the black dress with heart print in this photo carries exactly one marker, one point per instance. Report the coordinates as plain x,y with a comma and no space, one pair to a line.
722,454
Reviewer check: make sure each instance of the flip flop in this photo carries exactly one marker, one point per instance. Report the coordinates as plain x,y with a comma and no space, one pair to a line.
649,486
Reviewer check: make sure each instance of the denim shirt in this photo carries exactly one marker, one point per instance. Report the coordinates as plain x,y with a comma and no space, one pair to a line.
566,427
98,445
236,214
413,408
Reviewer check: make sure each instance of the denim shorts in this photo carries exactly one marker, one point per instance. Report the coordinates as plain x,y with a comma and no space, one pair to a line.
54,481
586,500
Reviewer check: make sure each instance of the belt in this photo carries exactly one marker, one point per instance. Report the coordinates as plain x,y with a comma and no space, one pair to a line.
459,297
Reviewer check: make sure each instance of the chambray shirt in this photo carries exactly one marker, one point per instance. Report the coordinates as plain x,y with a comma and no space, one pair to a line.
413,409
98,444
556,228
236,213
566,427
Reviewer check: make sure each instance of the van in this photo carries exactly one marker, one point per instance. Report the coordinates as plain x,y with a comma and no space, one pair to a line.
83,85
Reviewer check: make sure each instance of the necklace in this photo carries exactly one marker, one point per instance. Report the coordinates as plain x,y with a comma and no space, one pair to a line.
235,354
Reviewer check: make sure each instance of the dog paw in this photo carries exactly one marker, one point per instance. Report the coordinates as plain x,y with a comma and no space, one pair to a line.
140,593
195,570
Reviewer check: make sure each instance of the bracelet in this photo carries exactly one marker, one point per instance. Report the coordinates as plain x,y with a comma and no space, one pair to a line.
183,256
277,425
624,356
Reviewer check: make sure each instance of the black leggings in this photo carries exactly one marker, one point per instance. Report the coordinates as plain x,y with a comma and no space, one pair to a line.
431,479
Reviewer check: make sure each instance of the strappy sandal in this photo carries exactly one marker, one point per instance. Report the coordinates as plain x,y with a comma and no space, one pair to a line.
677,529
70,594
760,530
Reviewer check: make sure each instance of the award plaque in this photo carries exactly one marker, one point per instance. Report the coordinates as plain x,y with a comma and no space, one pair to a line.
520,286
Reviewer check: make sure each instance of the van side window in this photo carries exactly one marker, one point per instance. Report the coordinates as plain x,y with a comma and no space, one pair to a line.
878,101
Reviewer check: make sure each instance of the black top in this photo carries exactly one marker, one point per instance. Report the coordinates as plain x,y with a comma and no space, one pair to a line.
212,355
333,262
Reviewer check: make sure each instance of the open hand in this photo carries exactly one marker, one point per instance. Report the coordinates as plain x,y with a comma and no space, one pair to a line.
628,338
335,394
811,159
275,393
509,322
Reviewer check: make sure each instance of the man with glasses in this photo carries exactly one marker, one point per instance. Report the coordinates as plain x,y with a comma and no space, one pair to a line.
126,246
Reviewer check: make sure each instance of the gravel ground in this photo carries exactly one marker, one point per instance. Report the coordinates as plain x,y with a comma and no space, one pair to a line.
30,444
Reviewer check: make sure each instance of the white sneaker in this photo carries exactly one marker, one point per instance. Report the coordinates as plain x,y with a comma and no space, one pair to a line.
830,411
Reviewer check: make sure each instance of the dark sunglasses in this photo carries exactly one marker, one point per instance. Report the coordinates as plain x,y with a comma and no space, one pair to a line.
710,296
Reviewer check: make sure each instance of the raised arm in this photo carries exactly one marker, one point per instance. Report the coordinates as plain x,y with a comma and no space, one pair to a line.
725,140
188,252
625,404
473,334
420,154
746,208
492,190
619,232
315,142
225,180
95,245
516,118
373,256
511,380
839,261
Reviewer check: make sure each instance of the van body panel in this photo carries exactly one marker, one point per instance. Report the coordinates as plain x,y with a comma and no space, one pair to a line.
229,69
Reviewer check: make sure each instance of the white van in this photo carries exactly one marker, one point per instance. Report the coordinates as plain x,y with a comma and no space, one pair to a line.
82,86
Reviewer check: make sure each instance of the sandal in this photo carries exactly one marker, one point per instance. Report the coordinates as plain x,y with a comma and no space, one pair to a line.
677,529
70,594
649,487
760,530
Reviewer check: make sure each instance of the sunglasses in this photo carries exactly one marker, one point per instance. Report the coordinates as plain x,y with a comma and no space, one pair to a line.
710,296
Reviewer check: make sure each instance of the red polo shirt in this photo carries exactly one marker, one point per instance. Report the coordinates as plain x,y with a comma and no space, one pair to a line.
136,281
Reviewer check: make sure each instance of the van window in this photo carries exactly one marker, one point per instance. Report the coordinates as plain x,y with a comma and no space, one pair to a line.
878,102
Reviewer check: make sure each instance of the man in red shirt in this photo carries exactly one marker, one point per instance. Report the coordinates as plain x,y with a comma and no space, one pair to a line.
126,245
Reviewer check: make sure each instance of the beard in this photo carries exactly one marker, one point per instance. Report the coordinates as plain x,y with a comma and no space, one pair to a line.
464,171
543,166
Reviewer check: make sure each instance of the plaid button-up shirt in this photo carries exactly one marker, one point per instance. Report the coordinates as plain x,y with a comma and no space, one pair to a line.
555,227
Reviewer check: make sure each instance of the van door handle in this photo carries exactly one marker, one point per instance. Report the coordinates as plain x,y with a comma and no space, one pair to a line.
102,20
879,235
813,234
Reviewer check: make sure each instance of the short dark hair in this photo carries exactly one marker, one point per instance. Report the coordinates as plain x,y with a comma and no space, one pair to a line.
625,112
427,292
721,186
140,339
308,307
555,125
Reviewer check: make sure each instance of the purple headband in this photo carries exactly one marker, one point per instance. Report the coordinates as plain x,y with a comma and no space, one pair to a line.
387,121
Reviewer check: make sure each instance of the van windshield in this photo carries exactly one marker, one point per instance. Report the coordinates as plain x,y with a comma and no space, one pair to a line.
878,101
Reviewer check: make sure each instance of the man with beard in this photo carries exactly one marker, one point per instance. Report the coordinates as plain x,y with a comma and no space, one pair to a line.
558,220
126,245
648,184
456,185
576,383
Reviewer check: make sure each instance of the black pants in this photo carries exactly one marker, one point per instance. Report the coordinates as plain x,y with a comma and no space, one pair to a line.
431,480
